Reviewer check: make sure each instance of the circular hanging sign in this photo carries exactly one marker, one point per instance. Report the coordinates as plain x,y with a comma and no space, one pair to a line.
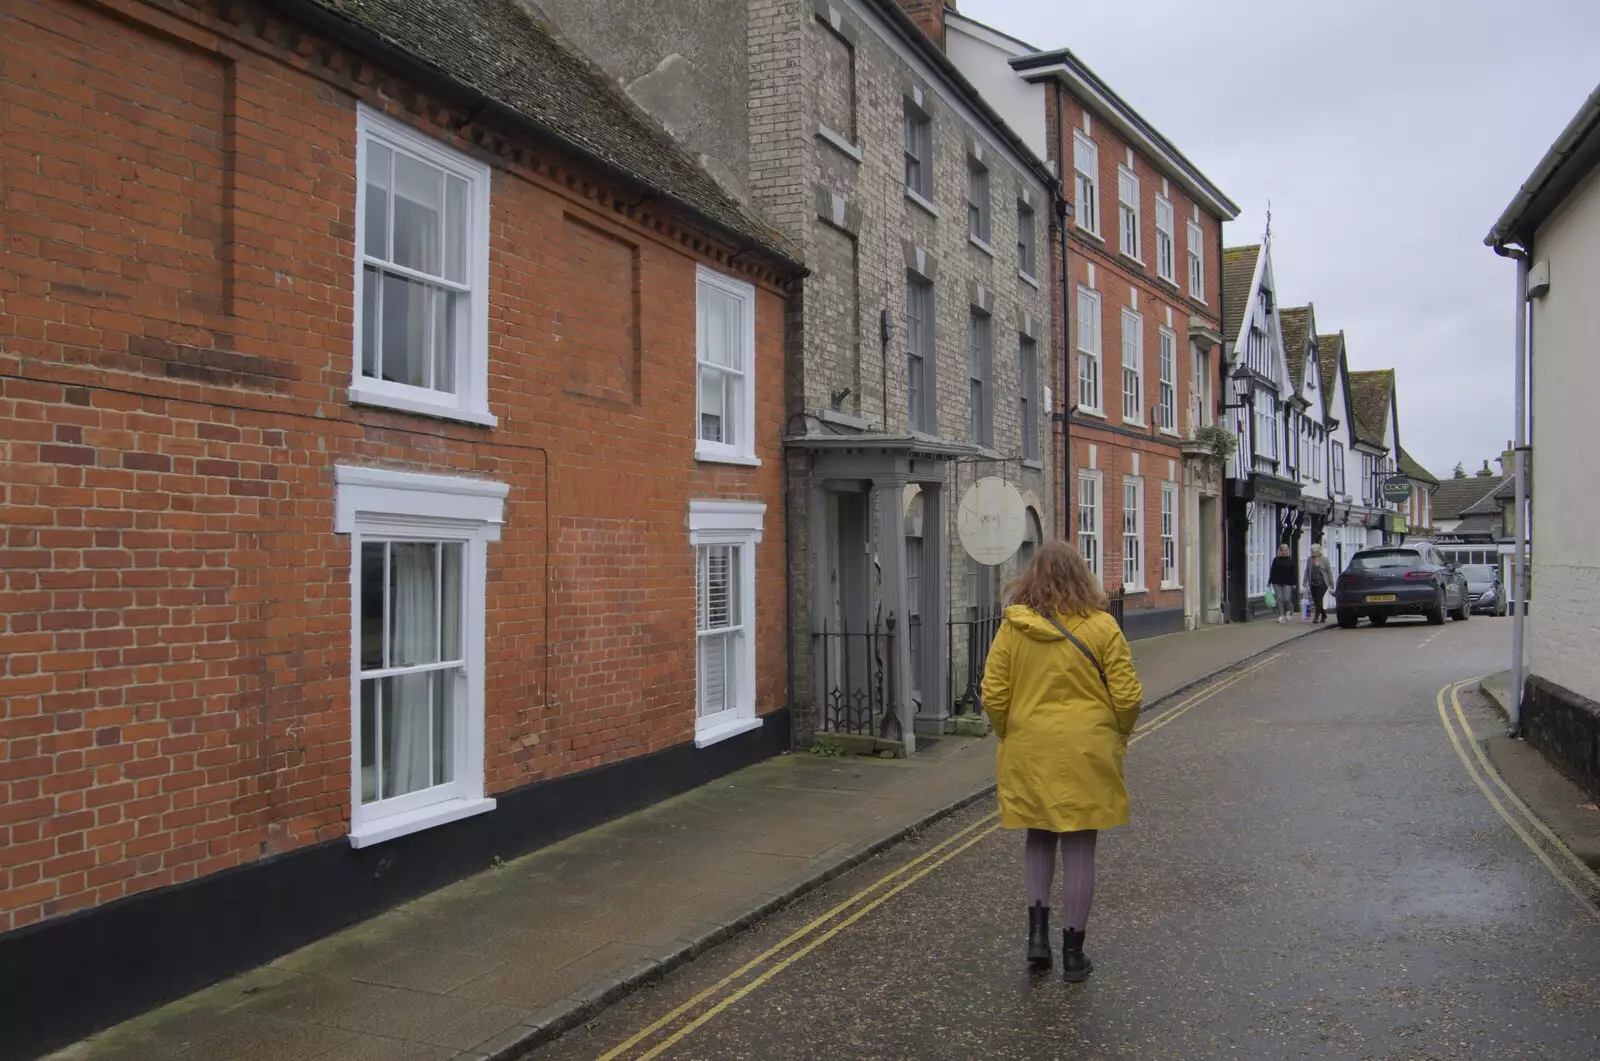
991,521
1396,489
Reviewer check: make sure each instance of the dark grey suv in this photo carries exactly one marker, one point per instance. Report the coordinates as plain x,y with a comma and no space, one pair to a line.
1412,579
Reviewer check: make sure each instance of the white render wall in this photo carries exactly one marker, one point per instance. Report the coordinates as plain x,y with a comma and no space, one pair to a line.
1564,621
984,57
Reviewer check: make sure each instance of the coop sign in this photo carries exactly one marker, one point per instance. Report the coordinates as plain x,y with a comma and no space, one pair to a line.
991,521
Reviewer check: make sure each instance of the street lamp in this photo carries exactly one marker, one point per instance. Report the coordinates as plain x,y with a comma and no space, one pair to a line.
1243,389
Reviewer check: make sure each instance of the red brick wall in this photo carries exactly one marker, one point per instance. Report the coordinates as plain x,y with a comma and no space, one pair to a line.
176,285
1115,278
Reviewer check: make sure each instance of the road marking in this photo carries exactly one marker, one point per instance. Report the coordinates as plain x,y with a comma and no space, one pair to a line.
1587,875
1429,640
1150,726
1494,801
813,945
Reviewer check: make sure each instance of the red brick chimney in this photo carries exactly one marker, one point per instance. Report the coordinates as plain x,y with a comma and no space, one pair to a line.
929,14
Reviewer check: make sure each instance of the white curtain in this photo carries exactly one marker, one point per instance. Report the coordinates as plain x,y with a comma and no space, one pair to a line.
408,698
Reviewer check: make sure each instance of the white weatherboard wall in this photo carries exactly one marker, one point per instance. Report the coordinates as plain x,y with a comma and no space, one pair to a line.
1564,621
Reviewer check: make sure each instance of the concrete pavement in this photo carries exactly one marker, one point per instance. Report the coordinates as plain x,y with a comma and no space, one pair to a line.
498,963
1313,871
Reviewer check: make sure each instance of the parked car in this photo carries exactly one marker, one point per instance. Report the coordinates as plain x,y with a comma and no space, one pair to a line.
1484,588
1410,579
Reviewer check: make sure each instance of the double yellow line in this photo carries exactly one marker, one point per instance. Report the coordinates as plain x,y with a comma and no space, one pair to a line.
1577,877
892,883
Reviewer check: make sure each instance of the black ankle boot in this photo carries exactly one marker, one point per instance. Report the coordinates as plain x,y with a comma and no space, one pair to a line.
1075,965
1039,937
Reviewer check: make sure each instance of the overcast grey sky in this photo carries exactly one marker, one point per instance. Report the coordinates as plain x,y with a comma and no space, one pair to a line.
1388,135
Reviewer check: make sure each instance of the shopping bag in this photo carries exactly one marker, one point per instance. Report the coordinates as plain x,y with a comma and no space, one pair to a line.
1271,597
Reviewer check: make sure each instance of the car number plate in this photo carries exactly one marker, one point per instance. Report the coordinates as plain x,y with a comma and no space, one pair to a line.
1380,598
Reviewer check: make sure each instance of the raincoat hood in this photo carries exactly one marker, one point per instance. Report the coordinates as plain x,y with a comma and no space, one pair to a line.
1029,622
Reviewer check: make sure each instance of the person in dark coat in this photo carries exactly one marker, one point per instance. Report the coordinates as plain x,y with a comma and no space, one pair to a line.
1319,579
1283,579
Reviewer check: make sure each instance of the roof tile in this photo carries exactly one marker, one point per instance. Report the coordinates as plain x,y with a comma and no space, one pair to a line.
499,49
1369,400
1238,269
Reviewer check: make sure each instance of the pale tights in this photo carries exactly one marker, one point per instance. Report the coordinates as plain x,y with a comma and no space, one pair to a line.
1077,872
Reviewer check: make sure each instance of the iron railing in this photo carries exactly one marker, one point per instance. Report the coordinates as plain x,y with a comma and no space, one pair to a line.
856,692
977,634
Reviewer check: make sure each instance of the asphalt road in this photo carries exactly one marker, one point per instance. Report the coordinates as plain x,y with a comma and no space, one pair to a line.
1312,872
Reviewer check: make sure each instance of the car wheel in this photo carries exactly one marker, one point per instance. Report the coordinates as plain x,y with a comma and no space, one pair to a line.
1436,613
1347,620
1378,620
1463,613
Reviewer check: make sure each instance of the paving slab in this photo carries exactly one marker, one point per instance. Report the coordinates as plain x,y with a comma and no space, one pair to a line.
492,965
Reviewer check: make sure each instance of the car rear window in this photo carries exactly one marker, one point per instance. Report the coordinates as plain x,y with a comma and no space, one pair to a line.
1388,559
1479,572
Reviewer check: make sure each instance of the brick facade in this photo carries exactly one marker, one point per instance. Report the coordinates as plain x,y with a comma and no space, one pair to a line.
176,291
1097,263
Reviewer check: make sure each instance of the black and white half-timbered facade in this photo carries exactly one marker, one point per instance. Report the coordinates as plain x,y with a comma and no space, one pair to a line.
1264,489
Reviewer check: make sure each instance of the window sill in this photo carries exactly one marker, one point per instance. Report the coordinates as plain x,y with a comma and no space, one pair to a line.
435,814
722,731
1134,591
1028,279
1096,413
839,142
1130,260
1170,433
361,394
1170,282
916,197
980,244
1089,233
1036,465
1140,424
1171,585
717,456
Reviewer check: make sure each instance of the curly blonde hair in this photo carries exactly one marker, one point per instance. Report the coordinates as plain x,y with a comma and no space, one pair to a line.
1058,581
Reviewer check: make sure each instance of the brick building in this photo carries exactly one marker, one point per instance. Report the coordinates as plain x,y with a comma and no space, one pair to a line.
920,353
1143,302
391,475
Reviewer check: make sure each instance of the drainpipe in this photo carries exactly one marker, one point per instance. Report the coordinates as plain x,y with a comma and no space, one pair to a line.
1518,555
1064,218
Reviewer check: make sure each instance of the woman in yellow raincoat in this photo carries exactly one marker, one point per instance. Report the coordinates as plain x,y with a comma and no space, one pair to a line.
1062,694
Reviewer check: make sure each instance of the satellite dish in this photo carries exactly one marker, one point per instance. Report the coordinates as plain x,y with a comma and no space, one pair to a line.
991,521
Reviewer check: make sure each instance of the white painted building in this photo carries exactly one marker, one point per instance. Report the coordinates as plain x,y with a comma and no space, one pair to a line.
1553,225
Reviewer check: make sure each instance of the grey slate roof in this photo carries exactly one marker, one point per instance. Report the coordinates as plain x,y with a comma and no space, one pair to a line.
1329,350
1296,324
1489,504
1408,465
1369,401
1238,269
1455,496
498,50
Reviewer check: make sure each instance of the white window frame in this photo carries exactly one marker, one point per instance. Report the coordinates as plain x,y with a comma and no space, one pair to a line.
743,449
1086,186
1165,241
1133,367
737,524
1091,531
470,402
1089,348
1171,557
377,504
1128,213
1133,559
1197,262
1167,381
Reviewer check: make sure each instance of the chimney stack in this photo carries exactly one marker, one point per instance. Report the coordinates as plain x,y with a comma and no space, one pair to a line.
1508,460
1484,472
929,15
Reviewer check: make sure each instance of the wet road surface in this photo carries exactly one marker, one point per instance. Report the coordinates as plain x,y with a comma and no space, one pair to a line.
1311,872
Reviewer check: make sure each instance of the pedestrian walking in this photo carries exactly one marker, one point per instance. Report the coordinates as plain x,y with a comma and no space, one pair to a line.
1062,694
1282,577
1319,576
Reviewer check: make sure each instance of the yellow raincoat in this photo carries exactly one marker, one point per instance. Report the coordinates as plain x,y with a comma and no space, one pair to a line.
1061,738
